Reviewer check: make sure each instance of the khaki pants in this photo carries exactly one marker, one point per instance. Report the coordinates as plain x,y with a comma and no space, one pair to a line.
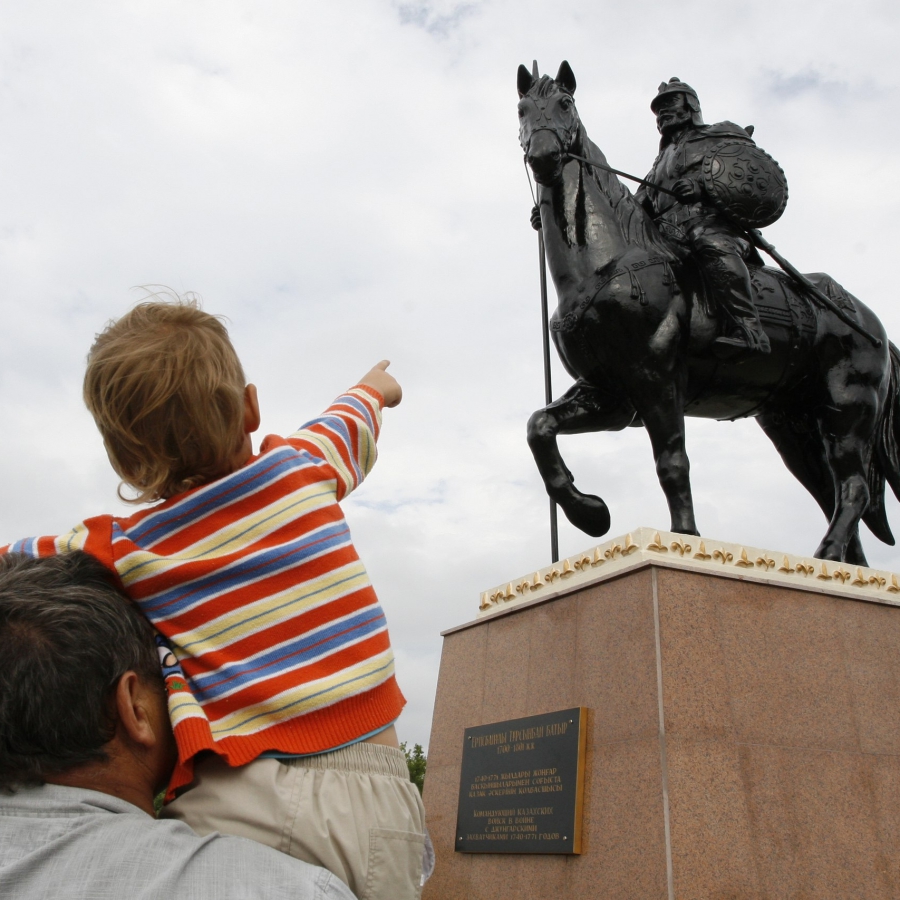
353,811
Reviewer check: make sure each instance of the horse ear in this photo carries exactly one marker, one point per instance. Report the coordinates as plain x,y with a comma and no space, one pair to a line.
566,77
524,81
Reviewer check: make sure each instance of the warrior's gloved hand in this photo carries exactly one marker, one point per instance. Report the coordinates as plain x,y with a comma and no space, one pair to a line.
687,190
535,218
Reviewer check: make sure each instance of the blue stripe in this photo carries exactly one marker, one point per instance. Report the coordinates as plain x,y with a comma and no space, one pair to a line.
301,651
28,546
370,424
354,403
156,527
215,497
272,712
340,433
362,412
166,604
202,554
270,610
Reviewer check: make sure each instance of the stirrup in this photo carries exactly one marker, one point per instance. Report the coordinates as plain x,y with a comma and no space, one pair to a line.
746,336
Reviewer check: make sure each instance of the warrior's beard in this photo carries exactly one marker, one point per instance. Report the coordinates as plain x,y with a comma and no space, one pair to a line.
672,121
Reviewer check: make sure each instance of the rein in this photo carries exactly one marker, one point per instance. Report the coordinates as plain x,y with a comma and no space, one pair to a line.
596,165
599,165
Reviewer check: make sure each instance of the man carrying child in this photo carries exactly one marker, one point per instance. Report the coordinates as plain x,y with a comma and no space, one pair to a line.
280,675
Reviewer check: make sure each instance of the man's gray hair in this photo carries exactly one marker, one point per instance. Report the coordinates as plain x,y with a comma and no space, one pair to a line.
67,635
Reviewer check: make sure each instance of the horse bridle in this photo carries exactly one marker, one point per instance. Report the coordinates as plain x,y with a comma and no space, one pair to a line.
567,154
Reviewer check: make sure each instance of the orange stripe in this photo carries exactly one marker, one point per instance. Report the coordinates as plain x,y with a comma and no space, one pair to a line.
289,628
207,610
179,573
262,691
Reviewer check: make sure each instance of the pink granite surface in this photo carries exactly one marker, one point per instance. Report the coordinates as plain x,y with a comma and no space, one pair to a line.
782,740
593,649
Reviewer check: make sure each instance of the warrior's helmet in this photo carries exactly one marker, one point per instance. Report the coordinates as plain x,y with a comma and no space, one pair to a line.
676,86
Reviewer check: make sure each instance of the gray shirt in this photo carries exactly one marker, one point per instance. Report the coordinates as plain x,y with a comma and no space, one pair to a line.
72,844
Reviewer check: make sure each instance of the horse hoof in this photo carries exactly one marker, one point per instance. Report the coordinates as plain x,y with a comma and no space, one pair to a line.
588,514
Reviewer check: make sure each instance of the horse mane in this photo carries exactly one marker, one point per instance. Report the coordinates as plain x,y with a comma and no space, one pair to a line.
636,225
545,86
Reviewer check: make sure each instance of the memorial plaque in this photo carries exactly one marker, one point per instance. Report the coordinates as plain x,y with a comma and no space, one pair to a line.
521,785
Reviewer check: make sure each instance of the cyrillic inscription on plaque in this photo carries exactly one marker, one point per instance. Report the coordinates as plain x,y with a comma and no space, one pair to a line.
521,785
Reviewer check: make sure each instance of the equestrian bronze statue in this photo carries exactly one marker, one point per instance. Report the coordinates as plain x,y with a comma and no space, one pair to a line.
665,309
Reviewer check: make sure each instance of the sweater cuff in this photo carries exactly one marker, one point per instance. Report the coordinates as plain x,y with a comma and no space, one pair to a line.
373,392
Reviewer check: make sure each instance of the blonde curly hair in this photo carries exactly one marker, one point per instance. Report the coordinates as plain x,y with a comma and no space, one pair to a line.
166,390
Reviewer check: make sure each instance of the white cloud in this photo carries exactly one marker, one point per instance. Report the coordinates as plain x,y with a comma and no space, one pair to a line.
344,182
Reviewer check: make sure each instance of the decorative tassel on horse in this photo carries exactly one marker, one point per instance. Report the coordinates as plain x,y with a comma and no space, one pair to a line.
668,278
637,291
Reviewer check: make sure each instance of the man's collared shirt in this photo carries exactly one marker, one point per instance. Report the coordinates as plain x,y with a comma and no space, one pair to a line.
74,844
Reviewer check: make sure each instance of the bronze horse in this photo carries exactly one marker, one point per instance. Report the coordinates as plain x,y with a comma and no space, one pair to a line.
634,328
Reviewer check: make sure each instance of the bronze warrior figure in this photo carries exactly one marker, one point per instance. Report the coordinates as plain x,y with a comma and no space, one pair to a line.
691,222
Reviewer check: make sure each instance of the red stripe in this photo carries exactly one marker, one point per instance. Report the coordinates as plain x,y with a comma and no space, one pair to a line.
299,575
184,573
215,503
264,690
212,662
286,630
282,582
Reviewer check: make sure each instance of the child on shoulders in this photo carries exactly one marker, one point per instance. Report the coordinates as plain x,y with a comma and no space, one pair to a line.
279,667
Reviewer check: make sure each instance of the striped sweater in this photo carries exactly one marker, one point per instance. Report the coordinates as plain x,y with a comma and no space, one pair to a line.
279,640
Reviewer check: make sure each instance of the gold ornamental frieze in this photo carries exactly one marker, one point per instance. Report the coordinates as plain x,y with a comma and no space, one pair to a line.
648,546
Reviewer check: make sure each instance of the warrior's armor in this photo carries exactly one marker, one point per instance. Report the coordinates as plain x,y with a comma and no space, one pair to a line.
695,227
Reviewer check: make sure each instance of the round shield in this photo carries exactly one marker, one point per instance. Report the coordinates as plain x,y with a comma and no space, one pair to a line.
745,183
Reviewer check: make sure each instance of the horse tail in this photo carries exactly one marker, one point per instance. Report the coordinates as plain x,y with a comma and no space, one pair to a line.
885,465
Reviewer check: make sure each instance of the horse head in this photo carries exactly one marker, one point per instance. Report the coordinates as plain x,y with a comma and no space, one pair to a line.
549,127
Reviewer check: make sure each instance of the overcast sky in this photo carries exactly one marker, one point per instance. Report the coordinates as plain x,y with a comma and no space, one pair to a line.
343,181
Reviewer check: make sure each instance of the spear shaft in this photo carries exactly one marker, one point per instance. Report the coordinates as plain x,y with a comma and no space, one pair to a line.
759,241
548,389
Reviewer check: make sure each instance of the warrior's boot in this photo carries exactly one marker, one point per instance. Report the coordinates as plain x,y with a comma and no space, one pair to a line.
747,336
725,272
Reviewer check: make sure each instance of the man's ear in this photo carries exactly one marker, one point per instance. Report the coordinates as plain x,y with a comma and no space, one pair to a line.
133,707
251,409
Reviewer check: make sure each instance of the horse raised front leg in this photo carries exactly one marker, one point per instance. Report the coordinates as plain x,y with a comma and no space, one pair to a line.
582,408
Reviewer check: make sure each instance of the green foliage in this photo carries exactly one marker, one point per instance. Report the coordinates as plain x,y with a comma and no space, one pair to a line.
416,761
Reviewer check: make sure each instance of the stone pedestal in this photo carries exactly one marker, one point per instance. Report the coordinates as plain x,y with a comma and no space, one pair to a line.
744,738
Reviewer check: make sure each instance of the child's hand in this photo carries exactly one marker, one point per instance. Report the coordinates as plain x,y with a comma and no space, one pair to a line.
386,385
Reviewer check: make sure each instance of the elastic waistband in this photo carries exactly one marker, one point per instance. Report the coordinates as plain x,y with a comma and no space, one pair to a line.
362,757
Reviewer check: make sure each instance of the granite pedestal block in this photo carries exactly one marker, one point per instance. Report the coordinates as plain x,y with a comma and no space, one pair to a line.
744,734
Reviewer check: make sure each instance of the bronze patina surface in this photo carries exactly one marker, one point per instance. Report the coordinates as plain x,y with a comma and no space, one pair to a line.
665,309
